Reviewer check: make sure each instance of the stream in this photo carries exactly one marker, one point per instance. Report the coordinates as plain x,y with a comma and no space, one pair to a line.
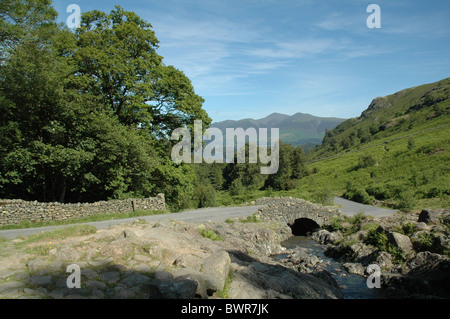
352,286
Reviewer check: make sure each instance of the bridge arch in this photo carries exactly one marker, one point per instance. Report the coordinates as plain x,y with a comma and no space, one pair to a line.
302,216
301,226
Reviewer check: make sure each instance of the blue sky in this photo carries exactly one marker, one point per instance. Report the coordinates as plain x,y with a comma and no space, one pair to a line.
250,58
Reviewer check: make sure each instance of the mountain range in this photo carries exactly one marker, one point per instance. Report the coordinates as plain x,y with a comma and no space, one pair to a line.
298,129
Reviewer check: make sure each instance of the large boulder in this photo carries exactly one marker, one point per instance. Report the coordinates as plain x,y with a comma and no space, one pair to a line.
441,243
218,266
264,281
206,284
427,216
325,237
260,238
302,260
190,261
426,275
401,242
174,289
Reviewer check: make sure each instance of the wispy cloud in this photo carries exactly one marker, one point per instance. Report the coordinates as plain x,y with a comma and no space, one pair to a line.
337,21
297,48
436,25
210,50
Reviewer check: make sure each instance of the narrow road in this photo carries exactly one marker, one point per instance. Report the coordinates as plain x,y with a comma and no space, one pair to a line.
213,214
350,208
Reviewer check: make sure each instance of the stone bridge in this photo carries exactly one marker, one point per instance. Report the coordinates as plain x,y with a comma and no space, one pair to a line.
302,216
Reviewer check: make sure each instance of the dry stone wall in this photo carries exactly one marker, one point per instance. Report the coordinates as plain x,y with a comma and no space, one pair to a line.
17,211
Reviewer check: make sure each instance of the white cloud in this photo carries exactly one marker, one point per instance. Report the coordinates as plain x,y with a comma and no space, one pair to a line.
338,21
297,48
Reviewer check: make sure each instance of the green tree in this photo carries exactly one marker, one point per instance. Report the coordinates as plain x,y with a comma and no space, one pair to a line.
57,143
86,116
236,188
247,173
36,115
282,179
117,62
299,169
22,20
215,175
204,195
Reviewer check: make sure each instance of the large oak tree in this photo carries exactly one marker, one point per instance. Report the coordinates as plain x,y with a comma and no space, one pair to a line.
85,115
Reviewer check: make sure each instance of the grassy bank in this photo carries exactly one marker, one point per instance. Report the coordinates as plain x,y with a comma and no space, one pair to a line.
94,218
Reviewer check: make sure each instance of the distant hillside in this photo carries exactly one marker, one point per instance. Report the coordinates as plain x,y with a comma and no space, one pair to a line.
298,129
387,116
397,152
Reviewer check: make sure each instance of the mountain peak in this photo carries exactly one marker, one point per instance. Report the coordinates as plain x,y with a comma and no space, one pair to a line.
298,129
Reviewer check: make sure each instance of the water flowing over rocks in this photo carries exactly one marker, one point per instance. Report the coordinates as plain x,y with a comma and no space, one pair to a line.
172,259
411,249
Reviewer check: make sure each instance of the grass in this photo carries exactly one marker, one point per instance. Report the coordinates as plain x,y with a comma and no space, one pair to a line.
250,219
403,164
209,234
226,287
407,179
93,218
70,231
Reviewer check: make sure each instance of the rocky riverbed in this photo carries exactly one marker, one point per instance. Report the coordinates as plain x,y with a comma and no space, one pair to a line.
233,259
411,249
164,259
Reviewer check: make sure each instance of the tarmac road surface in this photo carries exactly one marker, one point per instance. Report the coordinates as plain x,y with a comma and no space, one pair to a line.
213,214
350,208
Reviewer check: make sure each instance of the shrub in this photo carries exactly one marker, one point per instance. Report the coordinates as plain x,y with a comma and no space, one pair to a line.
324,196
446,220
250,219
205,196
379,239
365,161
370,226
236,188
358,194
437,192
408,229
378,191
425,242
411,144
358,218
406,201
334,225
269,192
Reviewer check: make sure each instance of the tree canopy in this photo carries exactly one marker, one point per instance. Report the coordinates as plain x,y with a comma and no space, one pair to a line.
86,115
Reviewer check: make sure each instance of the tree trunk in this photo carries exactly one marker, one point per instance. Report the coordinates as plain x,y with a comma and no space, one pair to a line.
62,194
